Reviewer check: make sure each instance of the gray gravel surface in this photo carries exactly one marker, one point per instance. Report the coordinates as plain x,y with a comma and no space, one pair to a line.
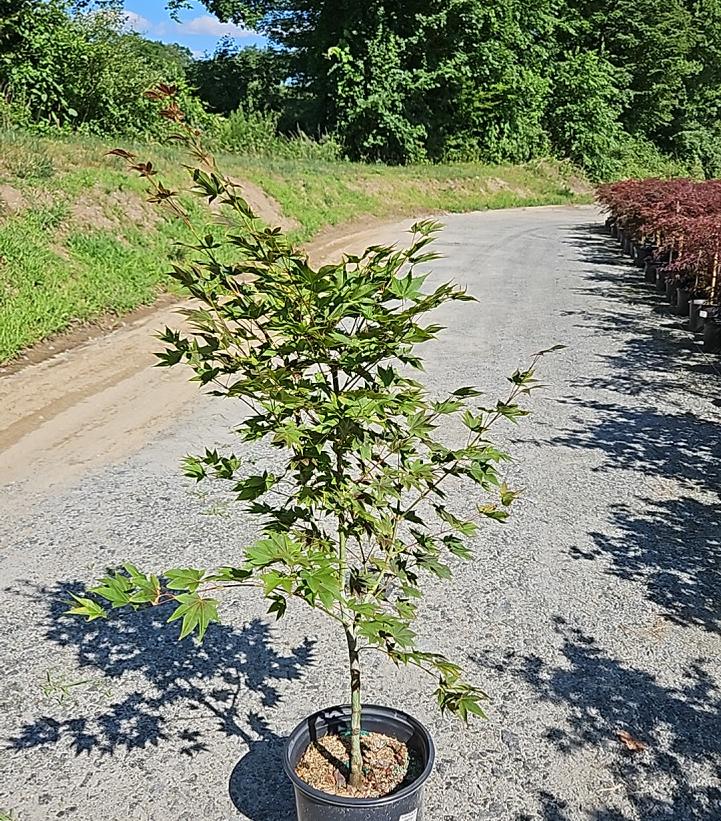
595,610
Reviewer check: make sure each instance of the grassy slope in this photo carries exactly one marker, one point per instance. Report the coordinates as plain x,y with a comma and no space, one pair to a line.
77,239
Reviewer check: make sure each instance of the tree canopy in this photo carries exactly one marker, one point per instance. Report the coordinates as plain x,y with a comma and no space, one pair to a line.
502,79
609,84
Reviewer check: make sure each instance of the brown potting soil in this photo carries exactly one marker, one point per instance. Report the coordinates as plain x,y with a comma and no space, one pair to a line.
387,765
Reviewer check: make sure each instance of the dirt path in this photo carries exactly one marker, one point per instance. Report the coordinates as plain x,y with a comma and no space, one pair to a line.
102,400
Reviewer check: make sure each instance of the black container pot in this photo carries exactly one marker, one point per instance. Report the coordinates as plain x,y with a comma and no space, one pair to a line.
649,271
660,280
683,297
712,335
613,228
695,320
671,291
404,805
643,253
628,247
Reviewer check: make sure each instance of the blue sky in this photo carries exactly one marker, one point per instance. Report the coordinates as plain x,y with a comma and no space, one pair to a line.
197,28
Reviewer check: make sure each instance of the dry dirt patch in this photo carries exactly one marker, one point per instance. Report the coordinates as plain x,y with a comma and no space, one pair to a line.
262,204
11,200
107,211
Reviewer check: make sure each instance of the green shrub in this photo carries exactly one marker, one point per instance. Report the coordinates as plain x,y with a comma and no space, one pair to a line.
355,522
637,156
254,133
582,116
233,77
82,72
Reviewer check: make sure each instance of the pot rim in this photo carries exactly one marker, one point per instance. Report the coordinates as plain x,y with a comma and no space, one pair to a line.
346,801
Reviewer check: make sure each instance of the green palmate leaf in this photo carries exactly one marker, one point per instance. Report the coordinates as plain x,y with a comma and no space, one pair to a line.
447,406
193,468
273,580
278,547
147,590
457,547
254,486
432,565
86,607
464,526
467,392
230,574
510,411
508,495
490,511
472,422
115,588
387,376
196,612
184,579
278,605
462,702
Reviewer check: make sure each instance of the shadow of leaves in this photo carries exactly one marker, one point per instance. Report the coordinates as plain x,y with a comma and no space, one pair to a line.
142,651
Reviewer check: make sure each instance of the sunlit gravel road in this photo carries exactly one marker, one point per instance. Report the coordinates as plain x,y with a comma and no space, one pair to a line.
595,611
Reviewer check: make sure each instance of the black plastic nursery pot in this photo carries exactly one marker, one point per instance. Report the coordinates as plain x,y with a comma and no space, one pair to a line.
712,335
406,804
660,281
670,291
683,297
649,272
695,320
643,253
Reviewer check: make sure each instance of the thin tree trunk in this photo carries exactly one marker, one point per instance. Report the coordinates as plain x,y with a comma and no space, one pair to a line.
356,757
714,277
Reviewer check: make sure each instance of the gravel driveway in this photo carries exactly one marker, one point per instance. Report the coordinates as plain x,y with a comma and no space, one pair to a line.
597,609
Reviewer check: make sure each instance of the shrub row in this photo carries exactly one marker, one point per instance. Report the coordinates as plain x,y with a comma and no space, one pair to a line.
674,223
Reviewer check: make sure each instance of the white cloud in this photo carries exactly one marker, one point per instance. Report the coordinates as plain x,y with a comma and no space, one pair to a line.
202,26
136,22
211,27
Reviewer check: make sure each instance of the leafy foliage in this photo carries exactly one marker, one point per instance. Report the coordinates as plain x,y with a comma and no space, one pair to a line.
358,518
583,115
251,78
256,134
623,87
84,72
605,82
679,221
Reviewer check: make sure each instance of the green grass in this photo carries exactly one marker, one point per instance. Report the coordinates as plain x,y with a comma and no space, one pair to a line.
78,240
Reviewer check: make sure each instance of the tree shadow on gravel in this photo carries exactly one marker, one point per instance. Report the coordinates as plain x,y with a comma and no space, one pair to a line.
258,786
660,422
658,354
681,446
677,776
183,693
672,547
670,542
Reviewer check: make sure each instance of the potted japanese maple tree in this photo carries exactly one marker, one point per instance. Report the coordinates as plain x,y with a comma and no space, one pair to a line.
356,519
